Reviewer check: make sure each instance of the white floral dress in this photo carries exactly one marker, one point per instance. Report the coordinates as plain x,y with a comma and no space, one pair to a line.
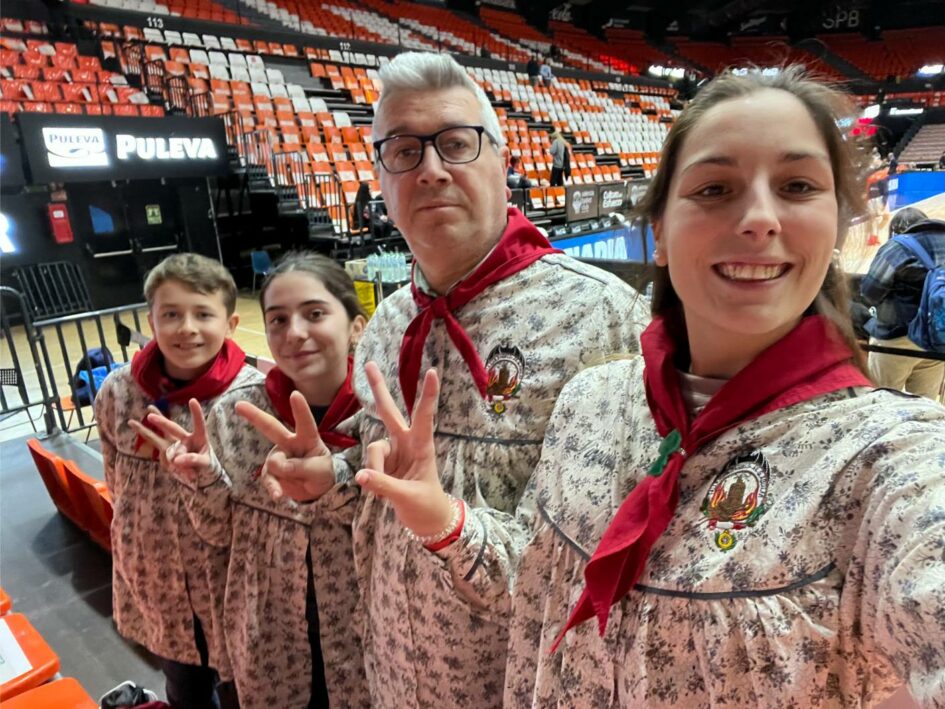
424,645
265,604
805,565
163,574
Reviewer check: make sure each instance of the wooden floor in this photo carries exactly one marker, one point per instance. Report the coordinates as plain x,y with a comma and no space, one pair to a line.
857,253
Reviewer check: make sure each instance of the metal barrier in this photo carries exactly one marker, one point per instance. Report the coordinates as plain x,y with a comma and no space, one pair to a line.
233,126
64,344
259,150
53,289
21,341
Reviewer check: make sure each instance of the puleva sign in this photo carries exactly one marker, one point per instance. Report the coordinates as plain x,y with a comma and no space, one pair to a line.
129,146
75,147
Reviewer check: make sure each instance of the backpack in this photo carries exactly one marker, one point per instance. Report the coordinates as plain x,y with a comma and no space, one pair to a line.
100,361
927,328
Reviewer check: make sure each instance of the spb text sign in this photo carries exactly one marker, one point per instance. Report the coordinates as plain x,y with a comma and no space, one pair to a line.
65,148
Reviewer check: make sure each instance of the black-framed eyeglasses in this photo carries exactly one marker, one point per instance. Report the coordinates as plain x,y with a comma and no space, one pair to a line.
455,145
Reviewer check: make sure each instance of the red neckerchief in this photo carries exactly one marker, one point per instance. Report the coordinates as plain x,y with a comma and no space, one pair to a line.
343,406
520,245
809,361
147,369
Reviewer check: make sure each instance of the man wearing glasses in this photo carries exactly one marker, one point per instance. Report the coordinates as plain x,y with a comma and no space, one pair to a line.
505,320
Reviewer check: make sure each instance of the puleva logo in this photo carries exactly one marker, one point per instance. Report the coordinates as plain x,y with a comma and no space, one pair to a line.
75,147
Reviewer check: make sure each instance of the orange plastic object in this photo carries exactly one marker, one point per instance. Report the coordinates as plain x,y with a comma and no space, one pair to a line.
5,603
51,471
91,498
44,663
64,693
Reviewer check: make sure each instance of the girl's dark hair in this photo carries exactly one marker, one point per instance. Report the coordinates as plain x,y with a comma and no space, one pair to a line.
904,219
335,279
828,107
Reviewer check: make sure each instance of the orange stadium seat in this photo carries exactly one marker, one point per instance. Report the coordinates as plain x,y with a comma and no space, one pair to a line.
64,693
92,499
5,603
51,471
34,663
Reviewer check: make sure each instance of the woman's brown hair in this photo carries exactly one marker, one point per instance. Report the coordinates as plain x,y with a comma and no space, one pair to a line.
828,107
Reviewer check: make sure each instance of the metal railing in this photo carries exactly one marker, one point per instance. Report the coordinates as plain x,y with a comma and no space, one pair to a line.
259,151
25,362
65,344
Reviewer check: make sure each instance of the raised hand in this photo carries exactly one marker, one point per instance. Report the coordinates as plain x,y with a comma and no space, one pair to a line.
299,466
402,468
186,454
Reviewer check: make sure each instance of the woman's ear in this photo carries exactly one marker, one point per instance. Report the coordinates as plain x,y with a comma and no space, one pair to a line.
356,331
659,252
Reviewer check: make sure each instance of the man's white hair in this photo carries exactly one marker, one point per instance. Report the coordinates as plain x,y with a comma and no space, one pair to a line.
427,71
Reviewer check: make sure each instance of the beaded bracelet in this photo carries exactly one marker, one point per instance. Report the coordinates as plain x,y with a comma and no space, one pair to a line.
455,520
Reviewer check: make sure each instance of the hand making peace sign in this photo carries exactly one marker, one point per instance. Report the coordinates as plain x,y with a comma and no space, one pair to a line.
186,454
300,465
402,468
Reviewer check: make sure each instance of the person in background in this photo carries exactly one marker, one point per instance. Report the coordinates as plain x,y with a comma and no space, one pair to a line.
547,76
533,69
893,287
514,177
167,583
559,157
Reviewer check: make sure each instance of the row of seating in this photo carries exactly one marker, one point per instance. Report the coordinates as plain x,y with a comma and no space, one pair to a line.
926,146
195,9
31,665
34,665
77,495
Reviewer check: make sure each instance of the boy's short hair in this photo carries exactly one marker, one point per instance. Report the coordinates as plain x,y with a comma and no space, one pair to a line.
198,273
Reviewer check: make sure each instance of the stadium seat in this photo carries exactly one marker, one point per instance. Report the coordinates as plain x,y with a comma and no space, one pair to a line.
32,662
92,499
64,693
5,603
51,470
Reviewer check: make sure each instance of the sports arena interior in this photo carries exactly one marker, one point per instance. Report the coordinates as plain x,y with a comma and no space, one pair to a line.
241,130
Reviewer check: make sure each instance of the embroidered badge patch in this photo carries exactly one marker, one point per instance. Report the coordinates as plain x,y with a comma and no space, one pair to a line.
737,498
506,368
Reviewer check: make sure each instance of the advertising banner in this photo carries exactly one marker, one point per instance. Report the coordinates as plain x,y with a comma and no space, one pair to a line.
67,148
581,202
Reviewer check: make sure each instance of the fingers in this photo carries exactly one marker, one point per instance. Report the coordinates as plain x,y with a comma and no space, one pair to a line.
386,408
157,441
169,428
272,486
268,425
302,469
423,422
385,486
194,461
199,437
376,455
305,427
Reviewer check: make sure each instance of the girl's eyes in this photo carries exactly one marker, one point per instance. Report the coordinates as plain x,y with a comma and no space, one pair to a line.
715,190
800,187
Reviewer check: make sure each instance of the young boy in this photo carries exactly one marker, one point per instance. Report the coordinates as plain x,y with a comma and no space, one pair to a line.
167,584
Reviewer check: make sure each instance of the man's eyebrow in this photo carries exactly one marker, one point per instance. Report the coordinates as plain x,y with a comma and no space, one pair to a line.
401,130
